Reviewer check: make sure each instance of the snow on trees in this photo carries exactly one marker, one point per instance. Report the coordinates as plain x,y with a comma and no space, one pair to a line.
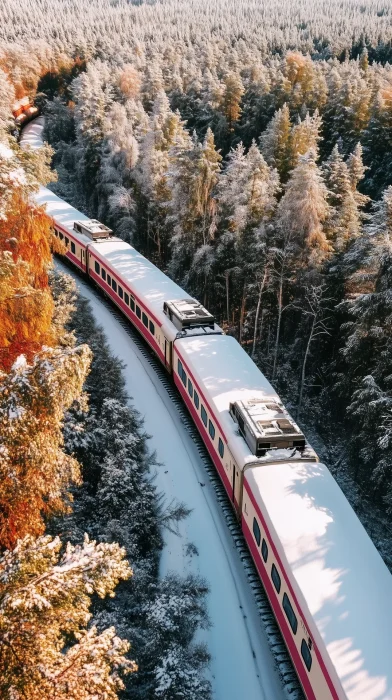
304,209
35,471
46,646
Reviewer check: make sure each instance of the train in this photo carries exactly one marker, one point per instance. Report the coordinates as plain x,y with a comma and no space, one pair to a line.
328,586
23,111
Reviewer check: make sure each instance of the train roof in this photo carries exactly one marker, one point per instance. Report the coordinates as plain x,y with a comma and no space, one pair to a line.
341,576
146,280
62,213
32,134
226,374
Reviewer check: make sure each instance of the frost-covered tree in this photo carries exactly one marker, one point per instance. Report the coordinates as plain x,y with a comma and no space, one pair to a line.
35,471
304,209
345,218
47,648
192,210
7,99
275,142
165,131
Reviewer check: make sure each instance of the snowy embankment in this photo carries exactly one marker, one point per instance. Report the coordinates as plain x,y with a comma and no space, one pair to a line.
242,664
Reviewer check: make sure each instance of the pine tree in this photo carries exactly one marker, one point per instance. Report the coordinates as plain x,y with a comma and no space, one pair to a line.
275,142
7,99
46,647
165,131
305,135
344,221
304,209
233,92
35,474
192,181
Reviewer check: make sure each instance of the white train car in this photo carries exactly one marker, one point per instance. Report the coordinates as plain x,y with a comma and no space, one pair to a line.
214,376
327,584
143,293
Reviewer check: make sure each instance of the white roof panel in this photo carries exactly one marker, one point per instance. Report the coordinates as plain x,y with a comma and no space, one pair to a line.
32,134
62,212
341,576
227,374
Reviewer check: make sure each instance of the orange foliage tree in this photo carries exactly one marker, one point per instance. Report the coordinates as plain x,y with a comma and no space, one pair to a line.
26,304
35,473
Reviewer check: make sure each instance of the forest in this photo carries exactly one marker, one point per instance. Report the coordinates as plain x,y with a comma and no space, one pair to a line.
246,149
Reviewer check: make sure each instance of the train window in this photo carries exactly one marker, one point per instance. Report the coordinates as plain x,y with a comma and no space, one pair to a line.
211,430
196,399
275,578
126,298
109,281
152,327
190,388
264,550
73,249
184,378
221,448
145,319
179,367
306,655
204,415
66,241
290,613
120,292
138,311
96,265
56,233
132,303
61,236
114,285
256,531
103,274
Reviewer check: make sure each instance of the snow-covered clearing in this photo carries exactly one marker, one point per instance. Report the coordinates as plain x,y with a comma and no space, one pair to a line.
242,664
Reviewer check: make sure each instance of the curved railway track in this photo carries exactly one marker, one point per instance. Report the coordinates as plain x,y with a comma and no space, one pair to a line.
278,648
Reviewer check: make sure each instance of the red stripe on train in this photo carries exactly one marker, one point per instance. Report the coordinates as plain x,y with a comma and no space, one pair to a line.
252,545
202,429
127,312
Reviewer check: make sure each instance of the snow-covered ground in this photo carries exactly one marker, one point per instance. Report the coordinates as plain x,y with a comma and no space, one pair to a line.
242,665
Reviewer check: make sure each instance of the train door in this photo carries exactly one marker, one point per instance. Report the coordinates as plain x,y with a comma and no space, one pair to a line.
168,352
237,485
82,258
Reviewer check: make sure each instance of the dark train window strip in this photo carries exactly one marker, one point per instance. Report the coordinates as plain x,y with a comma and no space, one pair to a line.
96,265
256,531
114,285
290,614
126,298
190,388
196,399
264,550
211,430
204,415
152,328
73,249
138,311
306,655
120,292
103,274
145,319
275,578
132,304
109,280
